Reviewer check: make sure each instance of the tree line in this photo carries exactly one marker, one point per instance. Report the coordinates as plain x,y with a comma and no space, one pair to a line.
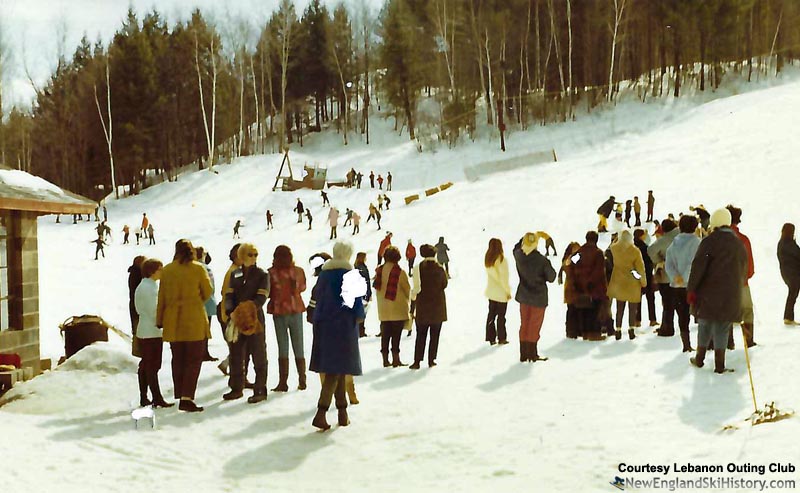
159,96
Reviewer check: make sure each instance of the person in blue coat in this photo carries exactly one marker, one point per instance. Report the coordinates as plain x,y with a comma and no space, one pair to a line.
334,350
678,266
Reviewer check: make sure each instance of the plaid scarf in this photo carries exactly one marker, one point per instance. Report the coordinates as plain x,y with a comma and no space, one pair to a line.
391,286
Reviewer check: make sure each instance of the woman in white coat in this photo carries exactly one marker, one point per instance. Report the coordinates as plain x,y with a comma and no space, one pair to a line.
498,290
151,343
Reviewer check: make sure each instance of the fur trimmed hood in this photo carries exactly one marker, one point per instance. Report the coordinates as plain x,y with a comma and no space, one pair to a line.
335,263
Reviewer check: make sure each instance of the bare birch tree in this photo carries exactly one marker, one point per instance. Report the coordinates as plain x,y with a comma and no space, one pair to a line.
108,130
210,135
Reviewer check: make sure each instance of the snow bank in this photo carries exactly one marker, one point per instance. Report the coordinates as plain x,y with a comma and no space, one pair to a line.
101,357
17,178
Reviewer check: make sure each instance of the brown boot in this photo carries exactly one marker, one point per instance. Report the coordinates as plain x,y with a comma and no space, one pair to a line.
344,420
143,400
699,357
283,375
320,421
396,359
748,334
301,373
350,387
687,345
386,363
719,361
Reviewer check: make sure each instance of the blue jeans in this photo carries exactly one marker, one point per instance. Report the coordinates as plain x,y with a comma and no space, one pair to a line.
713,329
287,326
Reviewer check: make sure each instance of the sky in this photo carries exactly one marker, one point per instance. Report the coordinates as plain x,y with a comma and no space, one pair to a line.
32,29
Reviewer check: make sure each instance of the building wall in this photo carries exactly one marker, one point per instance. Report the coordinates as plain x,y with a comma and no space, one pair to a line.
23,279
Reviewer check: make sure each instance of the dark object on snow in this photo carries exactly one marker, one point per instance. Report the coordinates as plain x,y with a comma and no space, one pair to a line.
81,331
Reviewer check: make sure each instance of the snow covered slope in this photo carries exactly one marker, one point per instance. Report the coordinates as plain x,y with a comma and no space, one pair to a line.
480,420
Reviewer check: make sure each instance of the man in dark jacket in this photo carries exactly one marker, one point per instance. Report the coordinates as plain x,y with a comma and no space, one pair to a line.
535,271
638,240
747,299
430,305
715,285
299,209
658,255
603,213
248,283
587,271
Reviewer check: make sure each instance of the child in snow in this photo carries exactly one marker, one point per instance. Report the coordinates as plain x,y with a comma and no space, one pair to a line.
150,234
126,231
356,222
100,244
380,202
387,200
325,200
236,228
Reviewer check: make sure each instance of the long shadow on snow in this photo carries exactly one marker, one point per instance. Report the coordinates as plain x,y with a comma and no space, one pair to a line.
271,424
517,372
282,455
613,348
401,377
483,351
567,349
715,399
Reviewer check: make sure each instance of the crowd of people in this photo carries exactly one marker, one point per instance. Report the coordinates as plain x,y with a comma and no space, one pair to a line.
696,270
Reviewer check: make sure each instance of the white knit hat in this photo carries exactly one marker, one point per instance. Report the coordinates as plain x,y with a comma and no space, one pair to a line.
720,218
342,250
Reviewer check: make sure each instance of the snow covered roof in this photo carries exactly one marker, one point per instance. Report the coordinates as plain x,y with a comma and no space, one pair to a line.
23,191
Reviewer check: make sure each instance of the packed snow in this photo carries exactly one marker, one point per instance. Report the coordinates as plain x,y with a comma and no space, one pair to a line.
480,420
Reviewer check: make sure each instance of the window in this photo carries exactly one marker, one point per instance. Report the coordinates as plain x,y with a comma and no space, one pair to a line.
3,274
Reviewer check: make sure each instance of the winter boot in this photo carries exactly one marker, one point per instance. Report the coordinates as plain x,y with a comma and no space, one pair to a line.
320,421
415,366
687,345
748,334
523,351
699,357
719,361
618,334
283,375
189,406
301,373
631,334
396,359
386,363
155,390
731,344
143,400
257,397
344,420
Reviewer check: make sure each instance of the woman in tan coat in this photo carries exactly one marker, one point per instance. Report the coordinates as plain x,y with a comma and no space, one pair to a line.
393,293
181,313
627,280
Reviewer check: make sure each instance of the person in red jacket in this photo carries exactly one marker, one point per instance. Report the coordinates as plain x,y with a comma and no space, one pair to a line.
385,243
747,300
411,254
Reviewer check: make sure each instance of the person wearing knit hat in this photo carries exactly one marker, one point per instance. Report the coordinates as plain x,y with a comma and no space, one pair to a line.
430,304
718,272
535,271
334,350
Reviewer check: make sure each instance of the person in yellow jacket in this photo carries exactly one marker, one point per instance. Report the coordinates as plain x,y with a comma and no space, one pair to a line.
222,317
393,292
627,280
184,288
498,291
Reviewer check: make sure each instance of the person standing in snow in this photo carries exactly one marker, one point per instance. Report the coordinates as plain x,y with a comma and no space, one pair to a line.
387,200
651,201
150,234
145,223
361,265
386,242
372,211
325,200
348,217
149,335
441,255
126,231
747,300
789,263
359,177
718,272
138,235
639,239
430,305
393,292
658,254
498,291
627,280
247,293
637,212
380,202
680,255
356,222
236,228
603,213
388,184
703,214
105,213
372,179
411,254
535,271
180,312
572,322
548,243
286,306
99,249
333,219
378,216
380,182
628,207
335,351
299,209
269,220
310,219
587,268
211,303
134,278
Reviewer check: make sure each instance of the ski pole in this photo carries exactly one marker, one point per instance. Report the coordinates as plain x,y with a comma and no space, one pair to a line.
749,372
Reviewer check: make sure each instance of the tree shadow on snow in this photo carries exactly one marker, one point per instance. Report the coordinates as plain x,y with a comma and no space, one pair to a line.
517,372
715,399
282,455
